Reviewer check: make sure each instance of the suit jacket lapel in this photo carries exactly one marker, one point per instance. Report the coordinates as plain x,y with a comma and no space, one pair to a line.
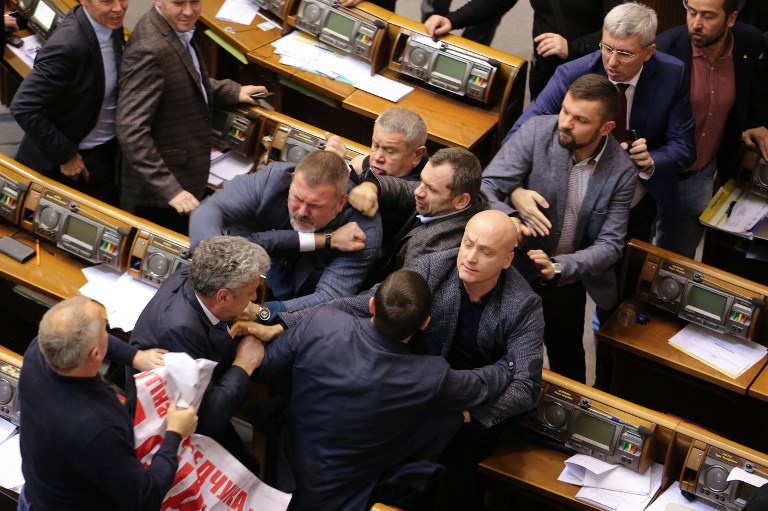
645,91
600,176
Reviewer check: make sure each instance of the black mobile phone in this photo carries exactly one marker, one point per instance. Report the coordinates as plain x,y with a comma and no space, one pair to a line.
630,136
262,95
21,21
14,41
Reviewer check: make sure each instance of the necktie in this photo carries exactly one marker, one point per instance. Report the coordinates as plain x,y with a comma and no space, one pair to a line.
619,132
221,325
189,43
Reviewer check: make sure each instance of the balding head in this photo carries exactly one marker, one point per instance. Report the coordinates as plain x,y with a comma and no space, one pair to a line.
487,249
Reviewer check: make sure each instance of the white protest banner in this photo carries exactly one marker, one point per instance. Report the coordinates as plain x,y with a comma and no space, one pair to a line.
208,477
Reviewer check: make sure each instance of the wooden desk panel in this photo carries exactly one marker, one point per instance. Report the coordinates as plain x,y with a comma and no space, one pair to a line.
532,468
59,275
759,388
448,122
246,37
651,342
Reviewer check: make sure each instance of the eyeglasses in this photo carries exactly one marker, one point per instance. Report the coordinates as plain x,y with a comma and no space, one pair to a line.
623,56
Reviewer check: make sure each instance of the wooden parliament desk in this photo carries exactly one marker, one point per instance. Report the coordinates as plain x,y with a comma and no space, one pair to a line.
649,371
528,469
339,107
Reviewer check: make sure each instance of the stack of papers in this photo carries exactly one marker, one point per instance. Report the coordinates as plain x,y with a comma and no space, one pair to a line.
729,355
225,166
735,210
121,295
611,487
300,50
10,468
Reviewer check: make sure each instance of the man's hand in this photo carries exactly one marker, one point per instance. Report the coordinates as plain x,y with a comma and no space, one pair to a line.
467,416
250,313
148,359
348,238
521,230
184,203
75,168
247,90
365,198
548,44
437,25
639,153
541,260
262,332
335,144
181,420
11,25
250,354
528,202
756,139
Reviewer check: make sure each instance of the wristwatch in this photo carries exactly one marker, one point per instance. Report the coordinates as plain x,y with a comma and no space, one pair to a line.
264,313
557,269
328,236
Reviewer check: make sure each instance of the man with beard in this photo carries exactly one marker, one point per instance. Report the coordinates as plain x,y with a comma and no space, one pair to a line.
571,183
721,57
321,248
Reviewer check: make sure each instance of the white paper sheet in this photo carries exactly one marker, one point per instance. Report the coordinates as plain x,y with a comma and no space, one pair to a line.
10,469
672,497
738,474
238,11
623,501
29,49
122,296
231,165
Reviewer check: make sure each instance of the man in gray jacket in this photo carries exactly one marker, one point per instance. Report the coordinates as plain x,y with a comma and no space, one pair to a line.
571,183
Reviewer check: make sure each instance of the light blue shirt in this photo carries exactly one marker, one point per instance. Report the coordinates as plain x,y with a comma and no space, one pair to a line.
104,130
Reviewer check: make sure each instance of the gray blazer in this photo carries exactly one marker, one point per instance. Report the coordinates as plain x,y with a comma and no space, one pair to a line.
534,159
163,119
512,323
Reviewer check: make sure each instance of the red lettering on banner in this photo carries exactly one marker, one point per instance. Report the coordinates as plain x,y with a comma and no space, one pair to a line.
140,414
232,496
147,446
217,481
240,501
179,501
204,469
182,472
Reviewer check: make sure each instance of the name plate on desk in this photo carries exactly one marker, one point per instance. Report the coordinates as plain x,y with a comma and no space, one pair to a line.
442,65
585,427
683,287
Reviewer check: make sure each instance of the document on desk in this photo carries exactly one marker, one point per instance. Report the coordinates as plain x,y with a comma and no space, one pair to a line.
29,49
229,166
672,500
300,50
739,474
10,469
122,296
238,11
729,355
736,210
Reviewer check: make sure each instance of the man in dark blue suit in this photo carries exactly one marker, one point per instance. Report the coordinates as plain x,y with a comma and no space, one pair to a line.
365,413
67,104
721,57
658,106
189,314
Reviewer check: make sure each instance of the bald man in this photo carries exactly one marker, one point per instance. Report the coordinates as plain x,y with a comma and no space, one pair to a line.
480,313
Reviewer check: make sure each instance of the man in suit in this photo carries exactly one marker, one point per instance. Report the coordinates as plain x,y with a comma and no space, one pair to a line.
572,183
77,439
189,313
657,102
721,58
321,247
481,310
392,410
164,115
436,209
67,104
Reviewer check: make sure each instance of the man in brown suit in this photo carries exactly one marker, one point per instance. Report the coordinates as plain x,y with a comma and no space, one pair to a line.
164,114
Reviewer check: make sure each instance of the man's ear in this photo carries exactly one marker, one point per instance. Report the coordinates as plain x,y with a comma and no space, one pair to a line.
372,306
419,154
425,323
342,201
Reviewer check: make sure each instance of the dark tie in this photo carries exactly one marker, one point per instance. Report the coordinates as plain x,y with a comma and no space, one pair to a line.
221,325
621,113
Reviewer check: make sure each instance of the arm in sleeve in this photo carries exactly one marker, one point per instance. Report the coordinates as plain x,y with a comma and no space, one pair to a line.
476,12
225,92
548,102
120,351
356,305
51,76
524,336
345,275
679,149
110,462
140,90
461,390
396,195
609,243
510,168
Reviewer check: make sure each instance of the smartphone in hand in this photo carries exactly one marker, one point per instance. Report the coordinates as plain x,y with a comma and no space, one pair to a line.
262,95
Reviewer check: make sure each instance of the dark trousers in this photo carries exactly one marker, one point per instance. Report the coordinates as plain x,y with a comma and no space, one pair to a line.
167,217
564,327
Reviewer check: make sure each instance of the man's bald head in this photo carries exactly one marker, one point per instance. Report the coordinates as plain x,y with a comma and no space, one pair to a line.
487,249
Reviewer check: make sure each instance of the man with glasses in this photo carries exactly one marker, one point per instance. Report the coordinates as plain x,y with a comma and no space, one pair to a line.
656,106
721,57
68,103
